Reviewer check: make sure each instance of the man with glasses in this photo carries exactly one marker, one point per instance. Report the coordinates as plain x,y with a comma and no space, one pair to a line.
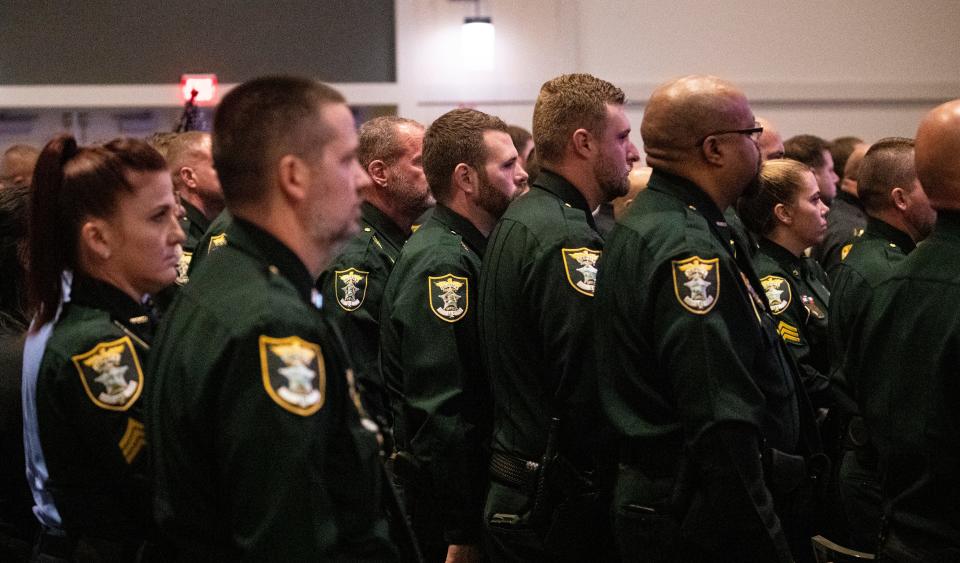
692,374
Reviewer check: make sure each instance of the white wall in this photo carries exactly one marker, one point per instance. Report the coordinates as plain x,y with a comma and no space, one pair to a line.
828,67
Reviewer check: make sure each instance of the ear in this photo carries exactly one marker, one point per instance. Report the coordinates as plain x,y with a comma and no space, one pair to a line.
187,176
711,151
98,237
783,214
899,198
378,173
583,143
466,179
294,177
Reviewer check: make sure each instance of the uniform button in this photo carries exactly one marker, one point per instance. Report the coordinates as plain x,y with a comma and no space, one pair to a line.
567,204
367,229
274,270
796,273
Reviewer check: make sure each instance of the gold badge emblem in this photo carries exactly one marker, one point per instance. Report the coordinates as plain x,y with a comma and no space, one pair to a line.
111,374
778,293
844,251
580,265
351,287
216,241
696,283
182,267
788,332
294,373
449,298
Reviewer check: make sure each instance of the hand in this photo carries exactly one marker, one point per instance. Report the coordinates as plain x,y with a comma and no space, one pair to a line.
463,554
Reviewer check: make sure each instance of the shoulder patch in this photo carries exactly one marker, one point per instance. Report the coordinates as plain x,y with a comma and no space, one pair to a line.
449,298
350,287
580,265
182,267
844,251
294,373
788,333
216,241
111,374
778,293
696,283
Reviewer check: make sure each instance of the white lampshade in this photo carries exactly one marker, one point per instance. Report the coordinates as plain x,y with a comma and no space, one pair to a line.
477,41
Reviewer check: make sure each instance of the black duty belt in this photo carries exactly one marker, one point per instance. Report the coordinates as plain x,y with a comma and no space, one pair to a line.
515,471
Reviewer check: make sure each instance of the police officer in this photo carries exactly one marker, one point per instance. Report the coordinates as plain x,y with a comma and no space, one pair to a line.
899,216
788,214
252,419
847,217
108,214
195,180
709,412
430,349
352,287
536,300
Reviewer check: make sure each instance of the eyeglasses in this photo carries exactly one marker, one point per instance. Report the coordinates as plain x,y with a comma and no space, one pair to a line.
753,132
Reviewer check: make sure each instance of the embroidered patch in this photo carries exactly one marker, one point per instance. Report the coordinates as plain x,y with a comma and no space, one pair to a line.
696,283
844,251
216,241
351,287
449,298
294,373
133,440
580,265
810,304
778,293
182,267
111,374
788,333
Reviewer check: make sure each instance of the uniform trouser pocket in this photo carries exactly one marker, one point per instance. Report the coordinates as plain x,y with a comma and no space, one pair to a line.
645,535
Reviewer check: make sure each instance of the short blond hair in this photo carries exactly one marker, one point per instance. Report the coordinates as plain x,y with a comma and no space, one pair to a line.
567,103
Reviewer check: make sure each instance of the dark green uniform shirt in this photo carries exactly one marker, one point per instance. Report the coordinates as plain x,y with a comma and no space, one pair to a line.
214,237
194,225
431,363
352,289
796,289
904,365
870,259
88,409
536,303
845,222
258,449
692,375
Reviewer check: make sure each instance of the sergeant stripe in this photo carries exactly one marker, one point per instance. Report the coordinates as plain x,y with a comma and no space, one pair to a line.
133,440
788,333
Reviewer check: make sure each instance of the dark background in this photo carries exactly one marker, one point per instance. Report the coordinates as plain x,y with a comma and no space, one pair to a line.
139,42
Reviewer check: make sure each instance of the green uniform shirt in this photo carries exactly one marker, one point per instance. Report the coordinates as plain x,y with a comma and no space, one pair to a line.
687,353
213,238
796,289
89,413
194,225
871,258
904,366
258,449
352,289
845,222
430,354
536,308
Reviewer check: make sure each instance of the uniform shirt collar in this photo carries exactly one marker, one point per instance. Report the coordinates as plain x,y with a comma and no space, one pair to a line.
559,186
195,216
269,250
462,226
98,294
383,225
849,198
890,233
779,254
688,192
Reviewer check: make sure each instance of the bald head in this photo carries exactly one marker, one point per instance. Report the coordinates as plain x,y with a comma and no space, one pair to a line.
683,111
937,147
16,165
771,142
